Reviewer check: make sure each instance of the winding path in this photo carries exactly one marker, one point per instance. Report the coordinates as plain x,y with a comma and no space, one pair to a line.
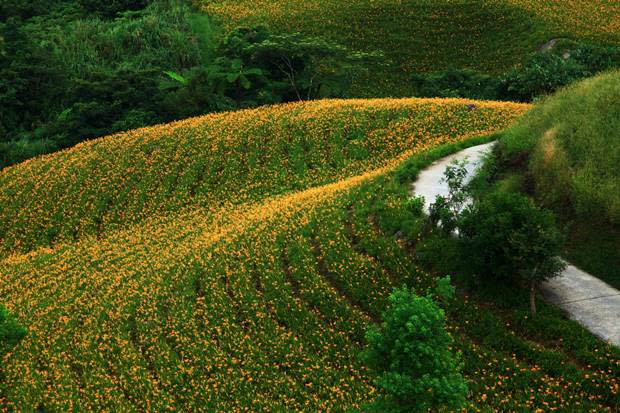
585,298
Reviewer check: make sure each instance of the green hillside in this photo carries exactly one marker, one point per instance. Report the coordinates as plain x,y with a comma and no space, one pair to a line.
572,145
575,140
430,35
258,303
235,260
221,160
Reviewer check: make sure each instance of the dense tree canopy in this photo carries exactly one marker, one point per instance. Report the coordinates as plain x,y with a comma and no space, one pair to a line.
80,69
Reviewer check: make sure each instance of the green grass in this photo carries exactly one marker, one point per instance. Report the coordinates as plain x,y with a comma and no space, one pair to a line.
593,246
428,35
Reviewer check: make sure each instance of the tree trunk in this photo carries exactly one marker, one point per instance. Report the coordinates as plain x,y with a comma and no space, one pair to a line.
533,298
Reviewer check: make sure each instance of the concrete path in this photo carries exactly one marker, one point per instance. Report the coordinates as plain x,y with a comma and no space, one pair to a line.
430,181
585,298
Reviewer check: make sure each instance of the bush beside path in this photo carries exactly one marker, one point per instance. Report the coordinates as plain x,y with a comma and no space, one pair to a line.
585,298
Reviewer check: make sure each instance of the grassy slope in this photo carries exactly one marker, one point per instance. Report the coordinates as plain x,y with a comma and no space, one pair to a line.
574,142
262,306
428,35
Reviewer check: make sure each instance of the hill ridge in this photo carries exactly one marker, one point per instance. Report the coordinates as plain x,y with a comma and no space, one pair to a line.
120,180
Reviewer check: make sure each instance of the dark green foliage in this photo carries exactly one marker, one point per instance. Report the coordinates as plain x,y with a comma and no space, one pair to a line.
25,9
596,58
444,212
310,67
412,357
67,75
191,93
541,75
10,331
464,83
24,148
105,103
239,81
255,66
440,253
547,72
252,66
30,81
111,8
506,236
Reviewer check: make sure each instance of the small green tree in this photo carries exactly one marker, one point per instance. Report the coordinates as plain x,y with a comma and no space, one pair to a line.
506,235
410,353
287,67
444,212
234,73
309,67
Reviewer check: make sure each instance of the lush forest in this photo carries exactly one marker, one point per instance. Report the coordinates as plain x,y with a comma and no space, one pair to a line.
73,70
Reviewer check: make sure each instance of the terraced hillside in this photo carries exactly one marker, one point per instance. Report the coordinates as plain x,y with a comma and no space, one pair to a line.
222,160
208,285
430,35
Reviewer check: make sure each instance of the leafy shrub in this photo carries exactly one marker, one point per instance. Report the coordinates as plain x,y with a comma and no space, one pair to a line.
596,58
506,236
444,212
411,354
542,75
547,72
